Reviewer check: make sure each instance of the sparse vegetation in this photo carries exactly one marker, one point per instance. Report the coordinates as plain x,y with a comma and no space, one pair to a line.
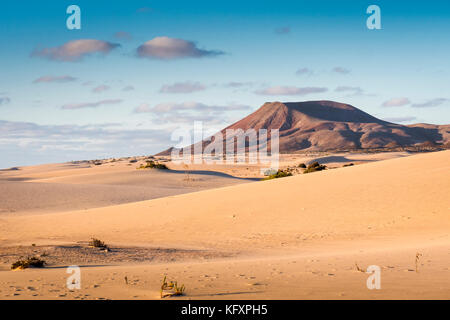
418,255
171,289
30,262
315,166
96,243
348,164
279,174
186,172
150,164
358,268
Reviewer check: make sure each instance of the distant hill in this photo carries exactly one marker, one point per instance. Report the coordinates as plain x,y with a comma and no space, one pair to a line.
334,126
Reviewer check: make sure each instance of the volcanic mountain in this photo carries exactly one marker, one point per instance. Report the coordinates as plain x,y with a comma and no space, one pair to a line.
329,125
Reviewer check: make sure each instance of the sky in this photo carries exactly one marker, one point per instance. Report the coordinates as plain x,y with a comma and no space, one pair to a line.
137,71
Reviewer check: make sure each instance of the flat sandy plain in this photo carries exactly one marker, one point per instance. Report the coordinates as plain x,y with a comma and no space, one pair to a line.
226,235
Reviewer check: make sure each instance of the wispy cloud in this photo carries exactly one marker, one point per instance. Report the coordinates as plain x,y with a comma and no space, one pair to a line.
101,88
304,71
236,84
143,108
290,91
400,119
283,30
165,48
4,100
75,50
396,102
128,88
72,106
431,103
182,87
44,143
190,106
352,90
341,70
55,79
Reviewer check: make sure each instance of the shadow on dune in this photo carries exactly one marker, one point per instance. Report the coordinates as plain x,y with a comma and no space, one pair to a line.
81,266
210,173
325,160
225,293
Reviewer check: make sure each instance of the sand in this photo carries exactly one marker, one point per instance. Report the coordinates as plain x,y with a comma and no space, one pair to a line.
300,237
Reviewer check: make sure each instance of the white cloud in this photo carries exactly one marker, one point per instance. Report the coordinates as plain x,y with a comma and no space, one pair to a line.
143,108
197,106
431,103
290,91
182,87
166,48
72,106
341,70
57,79
400,119
396,102
100,89
28,143
236,84
76,50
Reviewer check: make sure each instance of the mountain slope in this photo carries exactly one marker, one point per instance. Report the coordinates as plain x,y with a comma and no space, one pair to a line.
329,125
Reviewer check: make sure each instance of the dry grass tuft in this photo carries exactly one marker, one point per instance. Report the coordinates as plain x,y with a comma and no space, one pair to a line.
418,255
171,289
358,268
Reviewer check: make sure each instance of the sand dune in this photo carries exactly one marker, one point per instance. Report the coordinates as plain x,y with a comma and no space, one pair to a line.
66,187
296,237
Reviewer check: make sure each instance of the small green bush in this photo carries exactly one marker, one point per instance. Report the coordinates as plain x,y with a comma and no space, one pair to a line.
153,165
315,166
30,262
278,174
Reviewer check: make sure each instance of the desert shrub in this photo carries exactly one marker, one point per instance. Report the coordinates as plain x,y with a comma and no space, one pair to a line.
153,165
302,165
315,166
171,289
30,262
96,243
278,174
348,164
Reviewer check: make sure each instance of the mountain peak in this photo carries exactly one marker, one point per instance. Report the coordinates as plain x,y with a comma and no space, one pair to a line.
328,125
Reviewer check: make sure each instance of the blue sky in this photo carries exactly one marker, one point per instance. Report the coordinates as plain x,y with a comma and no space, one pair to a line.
137,70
